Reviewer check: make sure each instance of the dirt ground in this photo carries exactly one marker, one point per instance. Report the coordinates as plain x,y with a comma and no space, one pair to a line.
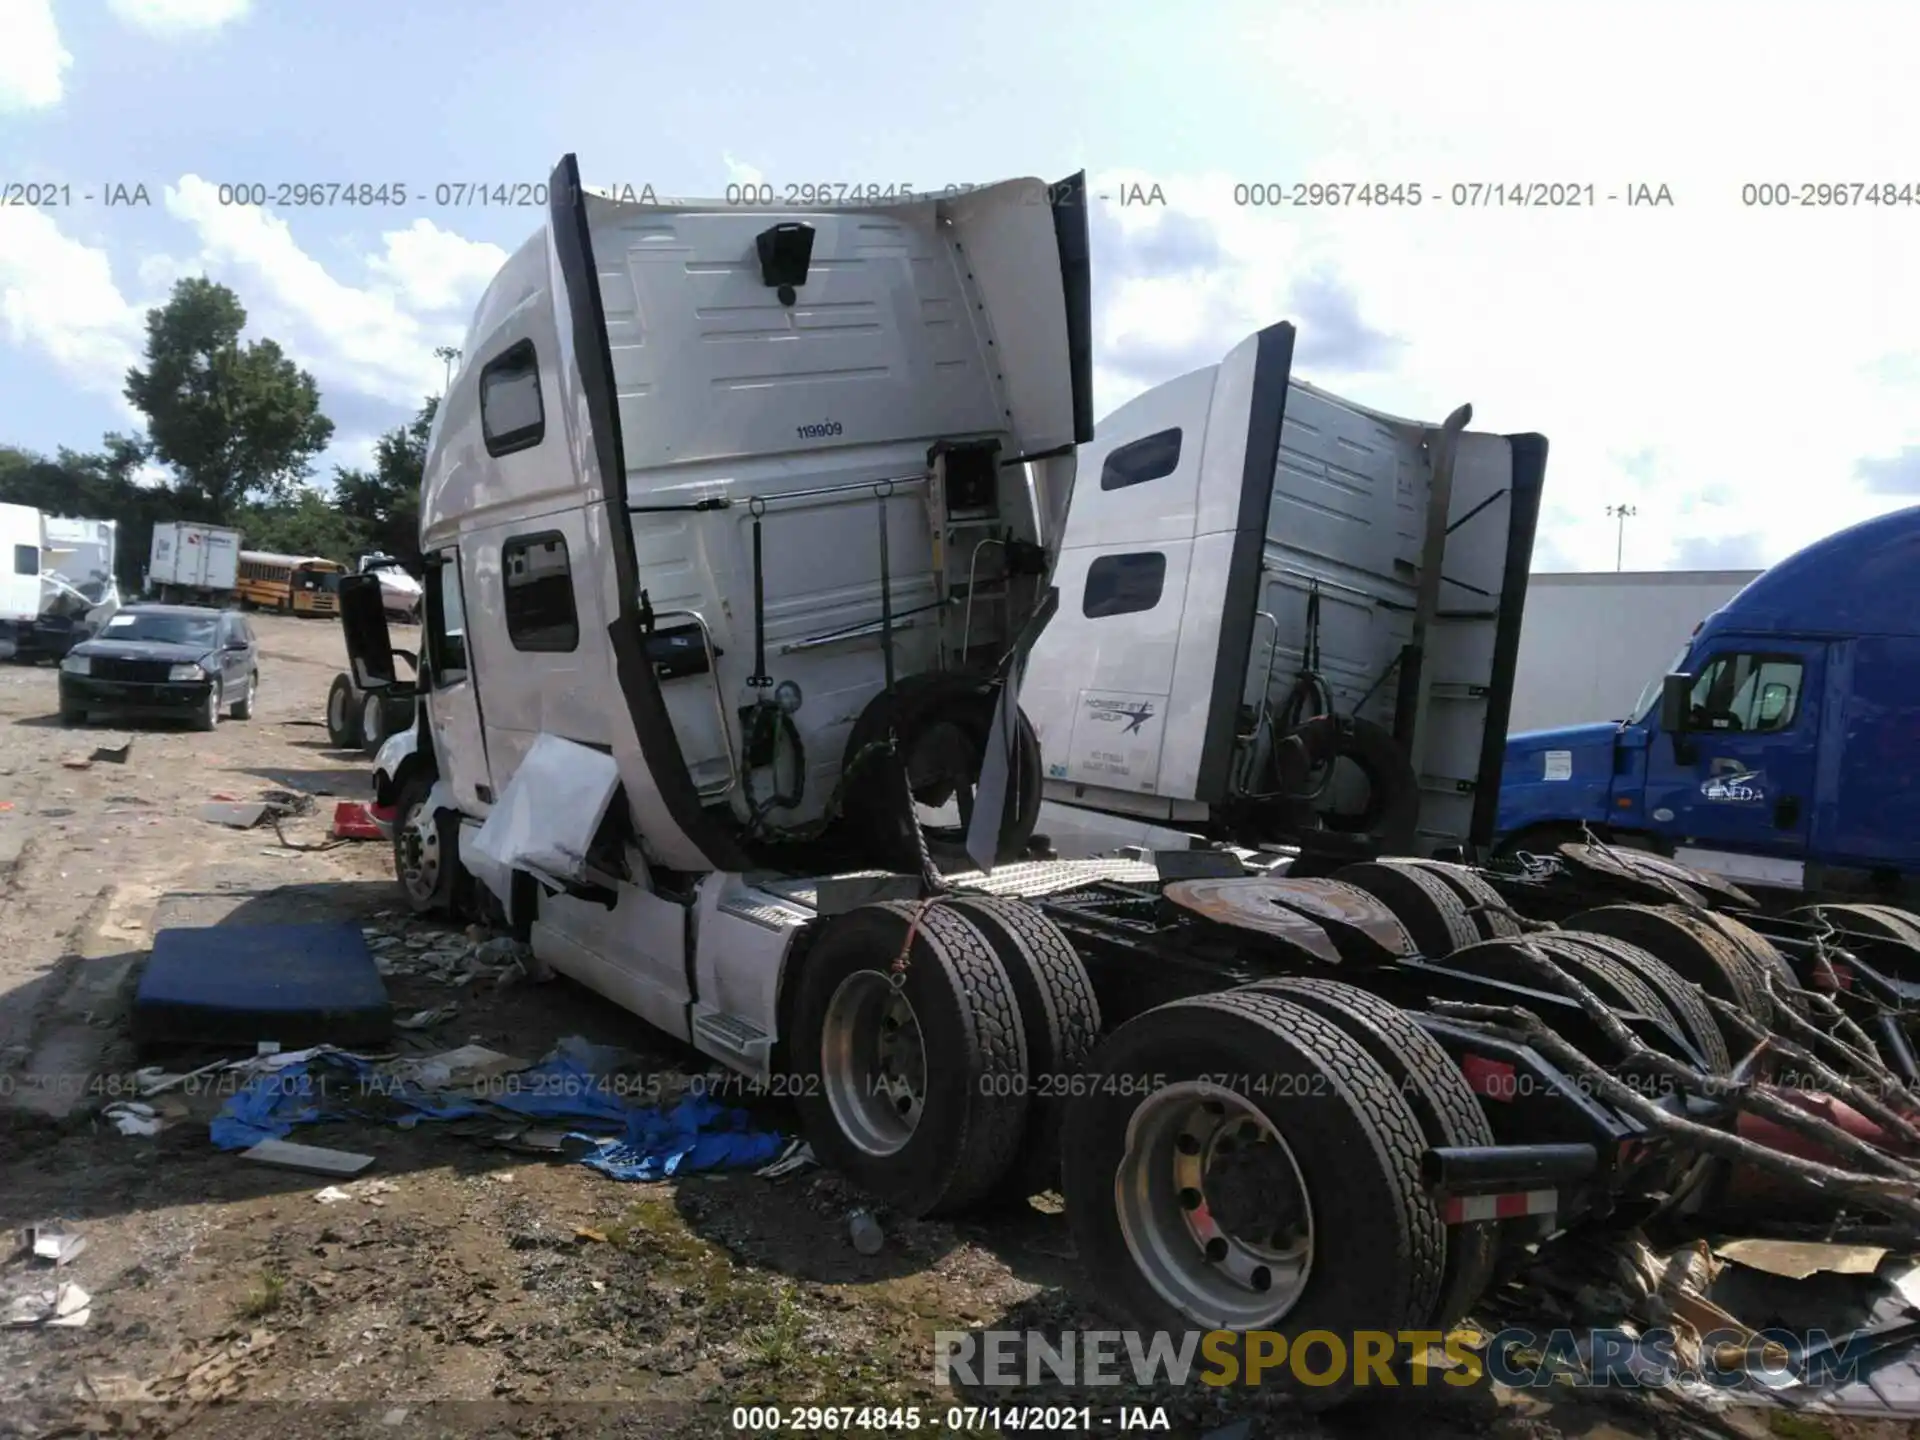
467,1288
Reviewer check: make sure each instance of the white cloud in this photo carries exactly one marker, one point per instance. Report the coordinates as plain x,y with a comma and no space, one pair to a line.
1724,368
58,297
32,59
739,172
169,17
377,340
434,269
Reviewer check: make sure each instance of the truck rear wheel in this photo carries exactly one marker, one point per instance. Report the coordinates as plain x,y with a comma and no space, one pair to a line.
1695,949
1237,1163
1424,903
1061,1018
910,1056
1679,995
1492,916
1764,956
1442,1101
343,715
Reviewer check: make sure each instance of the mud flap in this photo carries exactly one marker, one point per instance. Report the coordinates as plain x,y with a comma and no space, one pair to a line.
996,797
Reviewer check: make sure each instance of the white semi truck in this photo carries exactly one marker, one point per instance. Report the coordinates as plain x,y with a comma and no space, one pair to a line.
741,525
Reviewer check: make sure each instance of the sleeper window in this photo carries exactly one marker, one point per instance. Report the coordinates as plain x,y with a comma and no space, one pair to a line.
512,416
1124,584
1152,458
539,591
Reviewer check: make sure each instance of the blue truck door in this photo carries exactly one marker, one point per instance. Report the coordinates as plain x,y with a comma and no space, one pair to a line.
1743,777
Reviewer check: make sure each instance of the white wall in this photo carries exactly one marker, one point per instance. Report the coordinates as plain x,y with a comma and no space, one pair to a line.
1591,642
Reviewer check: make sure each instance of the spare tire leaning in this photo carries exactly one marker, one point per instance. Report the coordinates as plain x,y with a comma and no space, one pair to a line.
1392,808
343,714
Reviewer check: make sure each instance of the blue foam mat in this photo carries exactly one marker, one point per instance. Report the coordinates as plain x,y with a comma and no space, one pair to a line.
301,985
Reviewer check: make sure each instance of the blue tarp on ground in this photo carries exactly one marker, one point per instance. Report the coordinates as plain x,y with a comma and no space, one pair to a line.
630,1142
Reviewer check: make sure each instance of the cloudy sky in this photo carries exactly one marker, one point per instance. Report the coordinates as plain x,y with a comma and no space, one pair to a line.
1744,376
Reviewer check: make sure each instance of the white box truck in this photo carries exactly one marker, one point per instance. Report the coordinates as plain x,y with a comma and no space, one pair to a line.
192,563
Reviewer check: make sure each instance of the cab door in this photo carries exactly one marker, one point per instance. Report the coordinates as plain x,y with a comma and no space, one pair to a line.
452,698
1741,775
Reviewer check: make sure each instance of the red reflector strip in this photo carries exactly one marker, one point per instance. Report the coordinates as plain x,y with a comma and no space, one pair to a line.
1463,1209
1491,1078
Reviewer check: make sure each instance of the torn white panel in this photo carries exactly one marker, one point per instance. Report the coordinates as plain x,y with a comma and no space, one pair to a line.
1559,765
546,818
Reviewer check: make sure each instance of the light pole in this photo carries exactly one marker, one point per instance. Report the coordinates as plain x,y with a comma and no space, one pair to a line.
447,354
1620,514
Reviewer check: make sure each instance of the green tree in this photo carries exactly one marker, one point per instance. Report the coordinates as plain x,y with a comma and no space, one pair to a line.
236,422
302,524
386,500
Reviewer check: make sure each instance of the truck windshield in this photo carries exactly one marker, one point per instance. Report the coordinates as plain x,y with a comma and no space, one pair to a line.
1650,697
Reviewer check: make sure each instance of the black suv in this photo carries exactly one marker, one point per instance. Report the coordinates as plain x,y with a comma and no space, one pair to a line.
180,660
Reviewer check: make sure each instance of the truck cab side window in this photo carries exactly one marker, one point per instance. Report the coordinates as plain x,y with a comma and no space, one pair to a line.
446,624
539,593
26,560
1748,693
512,415
1148,459
1124,584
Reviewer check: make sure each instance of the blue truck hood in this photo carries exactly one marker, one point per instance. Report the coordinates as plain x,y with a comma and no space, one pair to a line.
1560,777
1564,737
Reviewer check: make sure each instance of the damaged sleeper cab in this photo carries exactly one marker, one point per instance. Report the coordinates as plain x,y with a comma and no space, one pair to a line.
735,521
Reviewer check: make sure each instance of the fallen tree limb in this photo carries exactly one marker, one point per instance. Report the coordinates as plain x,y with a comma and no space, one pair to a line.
1886,1194
1740,1092
1844,1088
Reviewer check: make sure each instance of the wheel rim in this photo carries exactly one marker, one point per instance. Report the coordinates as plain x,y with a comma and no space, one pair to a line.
337,711
213,703
419,853
253,685
1213,1207
370,718
873,1063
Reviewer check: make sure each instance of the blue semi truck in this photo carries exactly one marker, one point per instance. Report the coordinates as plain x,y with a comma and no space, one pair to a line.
1781,750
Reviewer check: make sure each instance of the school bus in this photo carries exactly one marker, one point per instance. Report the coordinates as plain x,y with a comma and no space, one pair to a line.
297,584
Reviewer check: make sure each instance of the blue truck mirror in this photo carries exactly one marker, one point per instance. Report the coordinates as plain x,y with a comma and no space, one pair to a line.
1676,699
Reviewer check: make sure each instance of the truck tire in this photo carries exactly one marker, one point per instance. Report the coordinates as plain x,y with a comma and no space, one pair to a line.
916,1090
1492,916
1882,922
876,802
1392,808
1061,1018
1679,995
1188,1197
1766,958
1605,976
1430,909
1694,949
426,851
1444,1104
343,714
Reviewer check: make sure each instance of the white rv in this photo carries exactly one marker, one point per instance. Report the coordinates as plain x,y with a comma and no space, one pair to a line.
20,545
401,592
740,527
78,591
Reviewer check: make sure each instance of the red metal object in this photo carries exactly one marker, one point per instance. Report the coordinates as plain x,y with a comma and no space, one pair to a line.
1494,1079
1747,1185
351,821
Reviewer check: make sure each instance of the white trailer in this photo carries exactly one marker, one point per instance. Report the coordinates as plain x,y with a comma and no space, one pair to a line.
193,562
1593,643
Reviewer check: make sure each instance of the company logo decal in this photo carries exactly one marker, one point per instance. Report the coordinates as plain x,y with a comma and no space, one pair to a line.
1133,713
